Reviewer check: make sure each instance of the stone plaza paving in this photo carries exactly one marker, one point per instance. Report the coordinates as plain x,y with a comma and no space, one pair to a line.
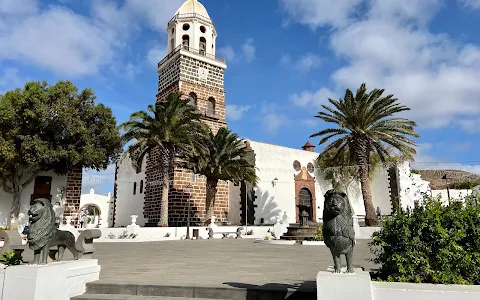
215,263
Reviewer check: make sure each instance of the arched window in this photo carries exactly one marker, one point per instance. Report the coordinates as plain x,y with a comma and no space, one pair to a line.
141,186
211,106
203,45
172,45
186,41
192,99
134,188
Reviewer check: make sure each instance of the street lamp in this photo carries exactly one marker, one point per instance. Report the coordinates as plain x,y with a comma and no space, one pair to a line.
189,187
448,190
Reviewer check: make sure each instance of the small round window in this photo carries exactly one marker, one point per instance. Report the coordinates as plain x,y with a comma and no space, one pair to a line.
203,29
186,26
296,165
310,168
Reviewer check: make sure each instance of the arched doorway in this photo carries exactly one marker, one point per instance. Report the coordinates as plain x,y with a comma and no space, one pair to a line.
305,202
89,216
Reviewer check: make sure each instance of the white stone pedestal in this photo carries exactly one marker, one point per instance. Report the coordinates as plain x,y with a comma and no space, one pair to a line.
341,286
54,281
133,228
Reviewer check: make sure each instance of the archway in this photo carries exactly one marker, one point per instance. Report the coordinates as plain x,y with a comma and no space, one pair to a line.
305,202
89,216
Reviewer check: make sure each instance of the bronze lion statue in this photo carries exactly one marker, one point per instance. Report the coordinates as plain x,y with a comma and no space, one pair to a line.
43,233
338,232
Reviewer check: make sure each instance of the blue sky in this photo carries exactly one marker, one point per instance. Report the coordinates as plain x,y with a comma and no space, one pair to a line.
285,58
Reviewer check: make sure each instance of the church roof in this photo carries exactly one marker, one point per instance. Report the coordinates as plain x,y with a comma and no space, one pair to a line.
192,7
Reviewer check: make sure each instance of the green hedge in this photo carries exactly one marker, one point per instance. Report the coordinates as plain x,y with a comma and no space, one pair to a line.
434,244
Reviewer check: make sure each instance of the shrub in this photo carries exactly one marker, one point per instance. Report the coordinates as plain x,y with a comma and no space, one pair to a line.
432,244
319,235
11,258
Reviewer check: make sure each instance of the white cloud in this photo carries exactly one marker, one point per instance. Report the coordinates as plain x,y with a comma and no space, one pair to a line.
473,4
471,125
155,55
319,13
59,40
308,62
273,118
249,50
429,72
237,112
227,52
102,181
312,99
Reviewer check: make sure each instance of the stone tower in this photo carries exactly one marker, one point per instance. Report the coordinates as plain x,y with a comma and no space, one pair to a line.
191,68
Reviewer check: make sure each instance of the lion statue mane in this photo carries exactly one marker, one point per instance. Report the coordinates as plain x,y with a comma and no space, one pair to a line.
42,224
338,232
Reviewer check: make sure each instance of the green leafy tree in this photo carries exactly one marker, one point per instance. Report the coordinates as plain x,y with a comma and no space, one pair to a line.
52,127
173,128
221,156
365,126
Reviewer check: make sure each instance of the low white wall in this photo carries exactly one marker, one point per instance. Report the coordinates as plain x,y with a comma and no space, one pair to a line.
415,291
360,287
151,234
455,195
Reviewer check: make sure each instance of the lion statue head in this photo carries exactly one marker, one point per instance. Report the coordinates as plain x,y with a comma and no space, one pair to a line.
336,203
42,223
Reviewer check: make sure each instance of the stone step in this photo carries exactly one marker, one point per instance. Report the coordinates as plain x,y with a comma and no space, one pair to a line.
131,297
242,292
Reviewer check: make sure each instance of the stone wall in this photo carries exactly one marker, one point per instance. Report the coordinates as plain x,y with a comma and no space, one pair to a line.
73,193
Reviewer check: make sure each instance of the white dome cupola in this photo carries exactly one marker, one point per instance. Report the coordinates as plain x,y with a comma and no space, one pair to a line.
192,28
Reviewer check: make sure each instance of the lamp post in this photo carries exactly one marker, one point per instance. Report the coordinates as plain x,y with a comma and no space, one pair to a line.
189,187
448,190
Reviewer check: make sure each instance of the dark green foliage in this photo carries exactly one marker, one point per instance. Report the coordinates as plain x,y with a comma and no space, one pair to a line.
434,244
11,258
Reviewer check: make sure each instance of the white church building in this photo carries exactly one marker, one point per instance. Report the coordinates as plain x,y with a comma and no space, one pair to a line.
288,177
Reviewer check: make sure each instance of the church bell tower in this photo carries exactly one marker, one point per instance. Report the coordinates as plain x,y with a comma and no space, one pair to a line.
191,68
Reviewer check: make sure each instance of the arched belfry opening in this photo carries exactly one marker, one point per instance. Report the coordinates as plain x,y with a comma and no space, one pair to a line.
203,45
186,41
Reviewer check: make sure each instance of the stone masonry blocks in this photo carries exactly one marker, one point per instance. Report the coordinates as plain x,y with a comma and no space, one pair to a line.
73,192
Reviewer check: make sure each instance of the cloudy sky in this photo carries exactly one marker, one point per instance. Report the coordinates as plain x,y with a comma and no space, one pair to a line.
285,58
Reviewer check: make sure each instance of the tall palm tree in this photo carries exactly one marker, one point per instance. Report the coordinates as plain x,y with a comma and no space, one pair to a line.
223,156
171,127
366,126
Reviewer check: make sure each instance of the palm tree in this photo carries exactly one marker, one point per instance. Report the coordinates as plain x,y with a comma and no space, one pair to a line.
223,156
171,127
367,126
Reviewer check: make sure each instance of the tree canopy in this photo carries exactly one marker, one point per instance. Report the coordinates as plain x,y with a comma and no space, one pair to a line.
53,127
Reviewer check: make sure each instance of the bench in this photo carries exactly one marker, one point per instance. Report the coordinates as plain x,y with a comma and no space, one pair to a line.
225,232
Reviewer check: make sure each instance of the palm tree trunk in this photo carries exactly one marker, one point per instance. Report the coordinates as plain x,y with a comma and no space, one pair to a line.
167,164
211,194
362,159
370,216
164,203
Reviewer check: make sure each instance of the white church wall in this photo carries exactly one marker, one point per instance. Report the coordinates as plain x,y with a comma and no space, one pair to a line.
126,203
104,203
6,199
234,204
273,200
455,195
